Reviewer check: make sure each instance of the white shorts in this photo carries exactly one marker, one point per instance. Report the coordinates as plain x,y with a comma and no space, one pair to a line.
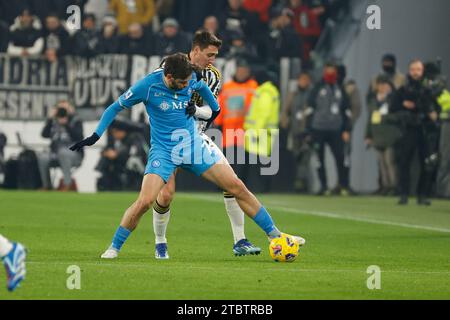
213,147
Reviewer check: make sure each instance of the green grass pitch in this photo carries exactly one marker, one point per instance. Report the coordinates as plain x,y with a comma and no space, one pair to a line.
345,236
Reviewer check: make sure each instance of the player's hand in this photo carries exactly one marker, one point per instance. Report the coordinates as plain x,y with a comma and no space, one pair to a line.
191,110
85,143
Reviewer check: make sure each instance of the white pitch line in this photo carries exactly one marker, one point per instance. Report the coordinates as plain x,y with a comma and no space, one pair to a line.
215,268
339,216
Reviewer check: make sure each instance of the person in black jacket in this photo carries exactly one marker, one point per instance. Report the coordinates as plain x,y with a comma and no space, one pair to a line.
282,40
63,128
56,38
234,17
329,122
123,160
136,42
416,110
171,39
109,42
382,133
87,39
25,38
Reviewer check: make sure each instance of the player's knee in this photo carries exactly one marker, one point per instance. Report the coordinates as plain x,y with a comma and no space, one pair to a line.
166,196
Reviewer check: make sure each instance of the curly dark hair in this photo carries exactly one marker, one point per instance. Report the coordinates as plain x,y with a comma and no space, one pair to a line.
178,65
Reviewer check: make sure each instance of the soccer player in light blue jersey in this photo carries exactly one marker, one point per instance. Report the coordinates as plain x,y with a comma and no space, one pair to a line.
176,143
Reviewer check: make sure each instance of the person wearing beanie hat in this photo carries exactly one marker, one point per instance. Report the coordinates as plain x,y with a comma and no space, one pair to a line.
171,39
109,41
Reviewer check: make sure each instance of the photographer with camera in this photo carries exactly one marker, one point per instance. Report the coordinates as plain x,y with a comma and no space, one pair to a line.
416,111
63,128
123,159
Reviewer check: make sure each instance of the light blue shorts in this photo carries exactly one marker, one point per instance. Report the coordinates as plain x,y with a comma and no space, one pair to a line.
197,158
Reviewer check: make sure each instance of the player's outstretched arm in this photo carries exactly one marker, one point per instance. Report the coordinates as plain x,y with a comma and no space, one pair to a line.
85,143
133,96
107,118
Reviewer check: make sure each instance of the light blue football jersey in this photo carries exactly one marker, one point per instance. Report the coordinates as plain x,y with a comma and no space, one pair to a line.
166,108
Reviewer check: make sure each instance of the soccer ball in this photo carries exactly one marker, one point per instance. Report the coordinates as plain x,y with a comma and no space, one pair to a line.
284,249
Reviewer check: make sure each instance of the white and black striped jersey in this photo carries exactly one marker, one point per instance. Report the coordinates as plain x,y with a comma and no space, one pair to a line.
213,80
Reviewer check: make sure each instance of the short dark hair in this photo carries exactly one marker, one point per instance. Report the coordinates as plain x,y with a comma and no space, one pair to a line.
178,65
204,39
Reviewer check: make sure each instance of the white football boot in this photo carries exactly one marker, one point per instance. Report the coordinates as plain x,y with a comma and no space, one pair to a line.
110,254
300,240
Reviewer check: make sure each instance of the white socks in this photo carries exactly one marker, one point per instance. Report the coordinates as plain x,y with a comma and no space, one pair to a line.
235,213
236,216
160,222
5,246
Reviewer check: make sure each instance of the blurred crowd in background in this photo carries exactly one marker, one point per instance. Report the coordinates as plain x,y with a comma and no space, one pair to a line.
405,110
259,30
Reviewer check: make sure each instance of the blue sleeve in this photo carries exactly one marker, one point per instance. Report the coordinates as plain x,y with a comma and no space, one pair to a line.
207,96
108,117
135,95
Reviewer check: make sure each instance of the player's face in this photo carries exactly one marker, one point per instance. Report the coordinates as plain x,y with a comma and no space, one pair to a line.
177,84
203,58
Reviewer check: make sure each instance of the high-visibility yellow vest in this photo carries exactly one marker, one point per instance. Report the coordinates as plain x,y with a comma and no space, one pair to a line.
444,102
261,122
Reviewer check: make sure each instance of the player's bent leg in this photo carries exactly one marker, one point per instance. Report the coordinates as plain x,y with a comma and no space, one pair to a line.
223,176
167,193
151,186
241,245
